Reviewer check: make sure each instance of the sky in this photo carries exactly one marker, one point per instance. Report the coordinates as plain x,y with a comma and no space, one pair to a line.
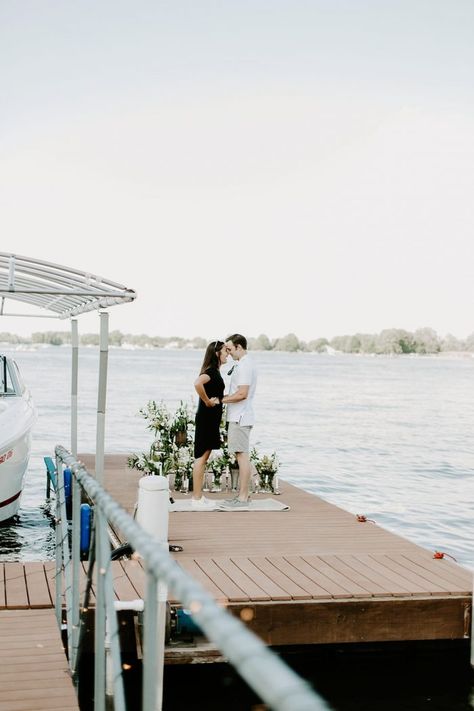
263,166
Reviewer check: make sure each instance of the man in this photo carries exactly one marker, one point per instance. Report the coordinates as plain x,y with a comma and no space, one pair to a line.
240,416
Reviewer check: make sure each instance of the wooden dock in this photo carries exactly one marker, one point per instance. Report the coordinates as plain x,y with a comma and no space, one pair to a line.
311,575
34,673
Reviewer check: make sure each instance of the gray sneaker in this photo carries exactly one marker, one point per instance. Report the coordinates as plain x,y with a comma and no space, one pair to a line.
234,498
234,505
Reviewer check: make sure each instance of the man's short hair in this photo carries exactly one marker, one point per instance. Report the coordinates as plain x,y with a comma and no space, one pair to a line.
238,340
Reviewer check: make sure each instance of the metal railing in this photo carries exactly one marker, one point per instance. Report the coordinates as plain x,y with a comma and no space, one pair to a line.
275,683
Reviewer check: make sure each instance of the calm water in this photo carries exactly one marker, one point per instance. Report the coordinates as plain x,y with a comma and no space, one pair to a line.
387,437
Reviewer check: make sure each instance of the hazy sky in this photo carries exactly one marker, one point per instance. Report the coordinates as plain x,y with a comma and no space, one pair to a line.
260,166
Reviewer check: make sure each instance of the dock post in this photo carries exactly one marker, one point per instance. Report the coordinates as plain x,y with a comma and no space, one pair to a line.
101,396
74,379
76,563
152,515
100,615
59,555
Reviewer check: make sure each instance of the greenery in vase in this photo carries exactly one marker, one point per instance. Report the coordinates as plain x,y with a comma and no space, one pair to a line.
182,422
266,466
218,465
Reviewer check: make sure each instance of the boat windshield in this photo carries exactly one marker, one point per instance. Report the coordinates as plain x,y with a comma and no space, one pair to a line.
7,386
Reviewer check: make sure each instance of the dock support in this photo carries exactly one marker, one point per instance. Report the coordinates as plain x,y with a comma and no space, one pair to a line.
101,523
101,397
76,563
152,515
74,381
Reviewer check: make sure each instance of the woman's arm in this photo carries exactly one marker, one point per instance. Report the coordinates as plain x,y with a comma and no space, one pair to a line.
199,387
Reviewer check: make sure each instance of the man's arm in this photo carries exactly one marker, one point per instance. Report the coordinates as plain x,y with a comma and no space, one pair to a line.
241,393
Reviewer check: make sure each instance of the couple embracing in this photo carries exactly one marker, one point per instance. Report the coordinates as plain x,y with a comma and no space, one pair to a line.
240,418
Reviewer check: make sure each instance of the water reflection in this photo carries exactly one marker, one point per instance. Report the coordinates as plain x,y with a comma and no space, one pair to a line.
28,536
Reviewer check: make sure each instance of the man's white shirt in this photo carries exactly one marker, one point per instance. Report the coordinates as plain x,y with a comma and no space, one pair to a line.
244,373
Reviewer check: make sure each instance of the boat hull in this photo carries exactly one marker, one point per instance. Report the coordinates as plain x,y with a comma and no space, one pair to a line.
15,446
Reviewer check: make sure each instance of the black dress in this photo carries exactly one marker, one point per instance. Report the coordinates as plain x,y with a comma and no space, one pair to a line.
208,419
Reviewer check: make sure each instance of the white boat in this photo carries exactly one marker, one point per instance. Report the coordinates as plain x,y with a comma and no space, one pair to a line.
17,417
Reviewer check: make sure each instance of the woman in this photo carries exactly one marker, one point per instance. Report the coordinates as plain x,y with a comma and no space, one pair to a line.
210,388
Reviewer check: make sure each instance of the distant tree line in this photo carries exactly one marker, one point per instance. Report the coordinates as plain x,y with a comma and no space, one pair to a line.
388,341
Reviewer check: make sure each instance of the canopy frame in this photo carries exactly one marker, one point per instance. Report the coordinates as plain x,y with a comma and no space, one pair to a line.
62,291
65,292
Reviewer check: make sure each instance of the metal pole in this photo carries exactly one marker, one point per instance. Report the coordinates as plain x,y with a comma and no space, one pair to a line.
74,379
66,557
76,563
100,617
101,527
114,690
101,397
153,514
150,628
59,559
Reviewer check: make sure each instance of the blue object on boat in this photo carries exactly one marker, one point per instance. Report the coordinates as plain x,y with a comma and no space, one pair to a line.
67,483
85,539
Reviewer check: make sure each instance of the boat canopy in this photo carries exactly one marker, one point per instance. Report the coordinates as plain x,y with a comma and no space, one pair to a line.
62,291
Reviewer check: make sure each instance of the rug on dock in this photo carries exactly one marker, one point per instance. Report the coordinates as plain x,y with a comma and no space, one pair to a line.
254,505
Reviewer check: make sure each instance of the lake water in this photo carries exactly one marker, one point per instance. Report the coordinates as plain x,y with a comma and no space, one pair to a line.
388,437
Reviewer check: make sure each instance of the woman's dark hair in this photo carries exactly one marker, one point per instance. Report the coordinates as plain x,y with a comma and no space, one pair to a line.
210,356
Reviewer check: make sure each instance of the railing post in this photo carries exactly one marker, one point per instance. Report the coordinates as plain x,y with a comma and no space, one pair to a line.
151,698
59,555
113,663
66,559
100,625
152,515
76,563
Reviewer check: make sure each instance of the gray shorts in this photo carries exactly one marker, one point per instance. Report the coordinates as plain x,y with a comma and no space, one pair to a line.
238,438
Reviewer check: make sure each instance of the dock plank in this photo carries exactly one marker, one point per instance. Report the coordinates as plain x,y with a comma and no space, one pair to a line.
429,584
251,589
287,584
399,586
135,573
345,581
124,589
275,591
459,579
314,590
232,591
348,566
16,594
37,585
34,674
191,567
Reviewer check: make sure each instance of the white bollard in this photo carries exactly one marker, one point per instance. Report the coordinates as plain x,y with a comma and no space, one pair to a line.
153,507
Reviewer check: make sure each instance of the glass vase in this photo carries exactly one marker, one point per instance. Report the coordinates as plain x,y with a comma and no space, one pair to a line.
217,483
